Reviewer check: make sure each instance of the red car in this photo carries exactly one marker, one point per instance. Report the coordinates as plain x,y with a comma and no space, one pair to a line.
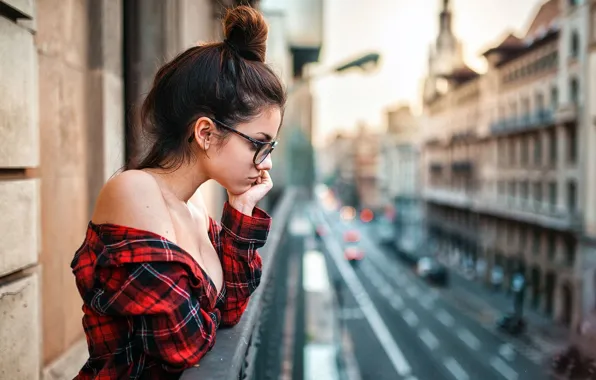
352,236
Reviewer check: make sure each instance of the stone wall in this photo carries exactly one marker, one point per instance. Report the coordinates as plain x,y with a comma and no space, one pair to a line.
19,192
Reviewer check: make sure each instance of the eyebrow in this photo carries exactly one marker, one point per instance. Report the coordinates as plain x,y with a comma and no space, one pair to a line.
267,136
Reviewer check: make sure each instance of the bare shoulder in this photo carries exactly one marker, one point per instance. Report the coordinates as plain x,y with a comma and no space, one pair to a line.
133,199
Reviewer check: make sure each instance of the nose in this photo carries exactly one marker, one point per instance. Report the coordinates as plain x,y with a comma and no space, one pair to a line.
267,163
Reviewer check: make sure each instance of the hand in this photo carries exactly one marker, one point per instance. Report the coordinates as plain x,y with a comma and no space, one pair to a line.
247,201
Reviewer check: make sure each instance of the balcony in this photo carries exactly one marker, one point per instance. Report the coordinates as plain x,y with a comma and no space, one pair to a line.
450,197
465,167
241,352
566,113
435,167
532,212
527,122
468,232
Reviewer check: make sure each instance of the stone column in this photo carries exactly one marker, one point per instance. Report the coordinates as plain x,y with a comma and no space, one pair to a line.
19,192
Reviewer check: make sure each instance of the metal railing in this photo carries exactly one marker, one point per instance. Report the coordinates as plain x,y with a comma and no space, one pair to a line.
527,121
233,356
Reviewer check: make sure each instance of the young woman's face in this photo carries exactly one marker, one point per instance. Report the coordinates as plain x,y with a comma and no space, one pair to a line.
232,165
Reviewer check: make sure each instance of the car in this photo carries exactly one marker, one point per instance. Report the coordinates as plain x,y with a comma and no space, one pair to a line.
320,231
351,236
512,323
385,232
353,252
432,270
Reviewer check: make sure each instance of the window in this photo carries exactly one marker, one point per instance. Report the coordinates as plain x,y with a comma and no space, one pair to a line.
512,152
571,196
523,237
512,189
552,147
574,52
536,242
551,246
524,190
570,251
538,193
538,150
593,25
552,195
525,150
574,90
571,144
554,98
502,153
539,102
501,188
525,107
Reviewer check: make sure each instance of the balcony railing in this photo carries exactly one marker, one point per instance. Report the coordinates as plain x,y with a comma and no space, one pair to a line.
528,121
525,210
534,212
234,355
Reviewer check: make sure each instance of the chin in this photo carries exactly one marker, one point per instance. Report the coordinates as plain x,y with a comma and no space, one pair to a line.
238,188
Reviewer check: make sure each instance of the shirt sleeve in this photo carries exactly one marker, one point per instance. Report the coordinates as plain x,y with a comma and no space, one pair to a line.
164,308
237,239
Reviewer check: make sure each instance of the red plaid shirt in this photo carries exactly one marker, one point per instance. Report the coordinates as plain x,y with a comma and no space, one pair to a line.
150,311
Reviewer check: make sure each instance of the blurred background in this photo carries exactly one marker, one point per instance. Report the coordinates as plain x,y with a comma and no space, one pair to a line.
435,186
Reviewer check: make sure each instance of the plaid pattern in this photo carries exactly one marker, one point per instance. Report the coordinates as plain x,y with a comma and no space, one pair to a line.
150,311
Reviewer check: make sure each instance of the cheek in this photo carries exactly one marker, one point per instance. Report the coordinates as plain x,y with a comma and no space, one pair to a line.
235,159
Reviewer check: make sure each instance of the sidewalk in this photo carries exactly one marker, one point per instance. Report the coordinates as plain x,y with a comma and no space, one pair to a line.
544,333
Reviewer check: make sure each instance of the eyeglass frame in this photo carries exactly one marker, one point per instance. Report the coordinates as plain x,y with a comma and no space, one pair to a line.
259,145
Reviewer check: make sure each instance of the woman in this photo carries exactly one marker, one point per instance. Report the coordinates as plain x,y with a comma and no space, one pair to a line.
156,274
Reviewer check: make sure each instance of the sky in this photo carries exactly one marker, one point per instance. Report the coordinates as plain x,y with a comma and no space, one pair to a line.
401,31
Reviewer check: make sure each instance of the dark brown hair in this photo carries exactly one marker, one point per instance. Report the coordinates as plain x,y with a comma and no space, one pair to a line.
228,81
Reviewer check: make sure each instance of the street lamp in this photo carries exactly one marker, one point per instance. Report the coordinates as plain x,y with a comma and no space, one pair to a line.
300,140
366,62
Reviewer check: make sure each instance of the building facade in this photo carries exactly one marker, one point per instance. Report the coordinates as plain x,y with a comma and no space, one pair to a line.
399,180
366,156
504,162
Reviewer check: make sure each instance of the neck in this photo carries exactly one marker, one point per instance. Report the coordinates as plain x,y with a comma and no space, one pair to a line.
182,182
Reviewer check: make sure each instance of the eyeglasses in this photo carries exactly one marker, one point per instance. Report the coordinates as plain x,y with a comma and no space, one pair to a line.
263,148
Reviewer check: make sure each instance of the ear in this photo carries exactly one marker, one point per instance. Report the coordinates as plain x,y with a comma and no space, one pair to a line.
204,132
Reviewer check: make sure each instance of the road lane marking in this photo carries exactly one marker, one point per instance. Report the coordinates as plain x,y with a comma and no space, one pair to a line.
386,291
502,367
380,329
445,318
429,339
397,302
506,350
456,370
468,338
413,291
427,302
410,317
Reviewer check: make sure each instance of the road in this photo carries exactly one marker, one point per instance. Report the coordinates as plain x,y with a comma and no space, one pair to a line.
403,328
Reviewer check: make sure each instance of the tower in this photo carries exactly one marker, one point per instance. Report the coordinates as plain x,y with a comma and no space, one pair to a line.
445,54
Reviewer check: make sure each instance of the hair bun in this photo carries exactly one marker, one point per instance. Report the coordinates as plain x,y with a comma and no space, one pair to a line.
245,32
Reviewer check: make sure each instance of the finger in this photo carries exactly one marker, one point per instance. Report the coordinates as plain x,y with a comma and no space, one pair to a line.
267,178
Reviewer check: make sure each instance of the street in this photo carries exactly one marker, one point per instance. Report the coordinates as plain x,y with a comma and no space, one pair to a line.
403,328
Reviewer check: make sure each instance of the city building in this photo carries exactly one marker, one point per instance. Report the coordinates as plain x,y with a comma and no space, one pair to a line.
399,180
366,155
504,160
337,165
